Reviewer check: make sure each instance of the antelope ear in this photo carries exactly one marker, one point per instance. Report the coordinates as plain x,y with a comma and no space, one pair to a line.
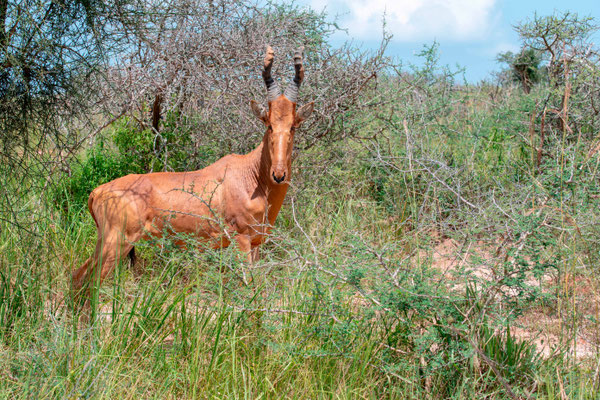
259,111
304,112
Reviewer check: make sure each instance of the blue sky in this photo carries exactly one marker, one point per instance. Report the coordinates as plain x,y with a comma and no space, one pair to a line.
470,32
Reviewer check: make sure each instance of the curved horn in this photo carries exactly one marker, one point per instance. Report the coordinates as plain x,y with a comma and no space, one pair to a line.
291,92
272,88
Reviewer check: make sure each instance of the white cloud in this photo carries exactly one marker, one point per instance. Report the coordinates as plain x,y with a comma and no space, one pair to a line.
410,20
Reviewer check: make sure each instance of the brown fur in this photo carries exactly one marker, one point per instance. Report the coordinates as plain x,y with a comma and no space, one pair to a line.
239,196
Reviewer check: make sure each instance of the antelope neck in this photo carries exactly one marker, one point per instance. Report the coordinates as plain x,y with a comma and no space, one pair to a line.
259,167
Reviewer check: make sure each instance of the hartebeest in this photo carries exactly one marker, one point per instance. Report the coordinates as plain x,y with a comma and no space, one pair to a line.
239,196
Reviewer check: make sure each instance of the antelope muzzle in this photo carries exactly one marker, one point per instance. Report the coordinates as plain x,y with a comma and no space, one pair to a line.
279,174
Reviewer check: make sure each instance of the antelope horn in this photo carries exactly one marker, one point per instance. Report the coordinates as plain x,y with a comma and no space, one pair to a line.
272,88
291,92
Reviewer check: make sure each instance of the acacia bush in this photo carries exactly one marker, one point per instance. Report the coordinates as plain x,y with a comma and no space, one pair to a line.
202,61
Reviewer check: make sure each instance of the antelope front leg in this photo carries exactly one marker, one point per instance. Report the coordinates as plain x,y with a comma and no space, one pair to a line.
255,254
244,244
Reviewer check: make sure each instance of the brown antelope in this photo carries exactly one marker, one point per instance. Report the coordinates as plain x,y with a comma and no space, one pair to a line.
236,198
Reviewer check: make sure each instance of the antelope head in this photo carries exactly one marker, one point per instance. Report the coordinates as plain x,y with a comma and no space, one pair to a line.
282,118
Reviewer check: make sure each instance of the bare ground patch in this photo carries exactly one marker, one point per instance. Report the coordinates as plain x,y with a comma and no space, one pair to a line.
543,326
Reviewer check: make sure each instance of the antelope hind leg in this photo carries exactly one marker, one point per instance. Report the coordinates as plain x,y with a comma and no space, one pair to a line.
109,251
